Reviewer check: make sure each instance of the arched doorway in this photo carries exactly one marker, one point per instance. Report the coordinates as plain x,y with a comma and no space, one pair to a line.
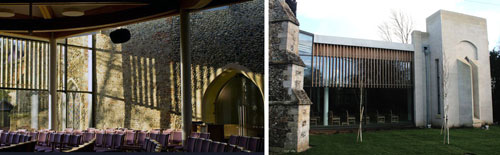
233,104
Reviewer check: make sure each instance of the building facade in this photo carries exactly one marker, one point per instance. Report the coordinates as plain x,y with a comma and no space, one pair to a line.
401,84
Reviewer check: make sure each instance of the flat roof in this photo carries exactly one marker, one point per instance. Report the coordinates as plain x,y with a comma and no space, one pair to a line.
361,42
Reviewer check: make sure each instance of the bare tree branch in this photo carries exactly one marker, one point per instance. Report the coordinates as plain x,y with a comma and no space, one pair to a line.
399,26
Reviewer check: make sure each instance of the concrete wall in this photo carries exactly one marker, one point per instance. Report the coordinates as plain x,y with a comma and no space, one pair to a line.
451,38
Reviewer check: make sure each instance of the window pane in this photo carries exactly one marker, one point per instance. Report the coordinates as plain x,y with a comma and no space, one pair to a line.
305,44
21,109
78,69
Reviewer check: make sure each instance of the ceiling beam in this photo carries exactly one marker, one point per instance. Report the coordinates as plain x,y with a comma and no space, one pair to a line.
47,11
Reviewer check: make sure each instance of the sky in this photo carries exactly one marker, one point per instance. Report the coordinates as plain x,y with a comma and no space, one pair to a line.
360,18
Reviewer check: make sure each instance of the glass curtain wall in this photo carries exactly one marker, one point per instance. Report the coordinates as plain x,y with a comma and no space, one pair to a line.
24,83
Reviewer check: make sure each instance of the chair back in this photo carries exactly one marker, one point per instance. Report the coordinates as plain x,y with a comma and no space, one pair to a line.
4,138
108,140
15,139
198,144
163,139
87,137
213,146
66,139
141,137
75,140
190,145
242,141
205,147
176,137
253,144
99,139
233,140
222,147
130,137
118,141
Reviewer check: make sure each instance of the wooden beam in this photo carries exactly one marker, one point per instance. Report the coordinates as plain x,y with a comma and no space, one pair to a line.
46,11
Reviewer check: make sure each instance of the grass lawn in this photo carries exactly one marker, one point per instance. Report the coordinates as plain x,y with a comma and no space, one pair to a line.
409,141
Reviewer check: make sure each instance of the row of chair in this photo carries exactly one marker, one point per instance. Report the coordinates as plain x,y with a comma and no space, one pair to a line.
207,145
253,144
10,138
56,142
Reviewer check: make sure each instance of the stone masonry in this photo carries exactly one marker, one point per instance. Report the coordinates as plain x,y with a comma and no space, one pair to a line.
288,102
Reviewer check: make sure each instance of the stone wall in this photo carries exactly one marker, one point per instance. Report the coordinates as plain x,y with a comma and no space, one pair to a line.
288,102
139,81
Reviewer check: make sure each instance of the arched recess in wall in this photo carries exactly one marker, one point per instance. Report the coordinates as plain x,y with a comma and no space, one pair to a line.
223,89
466,48
467,52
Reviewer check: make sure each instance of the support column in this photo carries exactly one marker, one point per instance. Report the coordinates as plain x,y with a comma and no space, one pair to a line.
325,107
93,105
185,76
34,110
53,83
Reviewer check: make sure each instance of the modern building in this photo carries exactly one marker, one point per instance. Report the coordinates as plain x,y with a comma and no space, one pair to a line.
443,69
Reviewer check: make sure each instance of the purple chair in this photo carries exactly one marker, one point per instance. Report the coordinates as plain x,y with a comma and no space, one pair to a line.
205,146
75,140
233,140
99,140
222,147
42,141
130,138
65,140
108,140
175,140
205,135
34,135
163,140
54,141
253,144
141,137
118,141
4,139
11,138
214,146
243,141
87,137
198,144
15,139
190,145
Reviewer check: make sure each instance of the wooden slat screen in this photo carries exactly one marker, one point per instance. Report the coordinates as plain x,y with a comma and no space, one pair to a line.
24,64
353,67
